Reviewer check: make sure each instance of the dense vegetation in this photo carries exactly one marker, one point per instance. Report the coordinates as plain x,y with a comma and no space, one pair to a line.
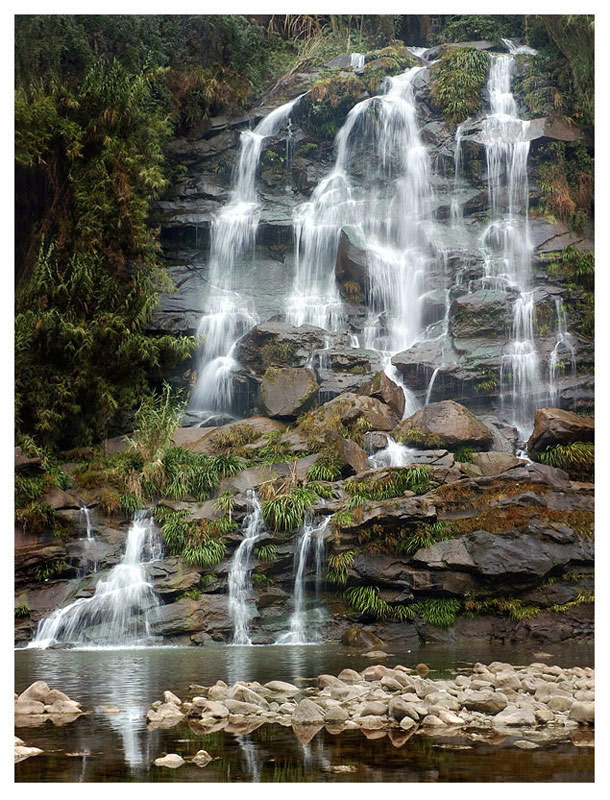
97,99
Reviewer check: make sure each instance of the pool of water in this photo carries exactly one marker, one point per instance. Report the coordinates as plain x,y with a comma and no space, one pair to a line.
118,747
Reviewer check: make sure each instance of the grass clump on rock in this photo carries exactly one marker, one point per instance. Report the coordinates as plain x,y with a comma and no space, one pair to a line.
457,82
576,458
391,483
330,98
286,511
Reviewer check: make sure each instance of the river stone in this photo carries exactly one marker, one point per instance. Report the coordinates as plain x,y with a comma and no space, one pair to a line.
558,702
555,426
432,721
349,676
507,680
241,707
485,701
371,722
391,684
307,713
29,707
171,760
39,691
330,680
449,718
23,751
582,712
202,758
374,708
287,392
335,714
452,424
399,708
170,697
281,687
64,707
406,723
511,715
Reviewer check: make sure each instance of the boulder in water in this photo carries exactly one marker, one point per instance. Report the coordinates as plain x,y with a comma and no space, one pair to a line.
358,637
171,760
287,392
307,713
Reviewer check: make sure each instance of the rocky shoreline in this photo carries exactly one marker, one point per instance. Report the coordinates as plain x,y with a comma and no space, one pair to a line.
539,703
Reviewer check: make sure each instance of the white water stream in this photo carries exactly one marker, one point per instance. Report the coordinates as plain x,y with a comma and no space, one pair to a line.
118,613
240,573
312,537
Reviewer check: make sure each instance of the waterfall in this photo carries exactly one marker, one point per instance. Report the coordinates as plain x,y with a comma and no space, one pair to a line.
312,535
393,454
121,603
507,240
87,515
564,342
229,314
356,60
240,572
90,560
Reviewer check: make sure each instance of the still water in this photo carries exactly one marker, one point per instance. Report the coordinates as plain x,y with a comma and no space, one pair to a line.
118,747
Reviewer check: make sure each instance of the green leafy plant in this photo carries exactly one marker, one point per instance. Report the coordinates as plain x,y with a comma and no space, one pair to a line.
457,82
266,553
576,458
22,610
338,566
438,611
464,455
365,600
342,519
327,466
286,511
261,580
424,535
416,438
50,569
391,482
205,554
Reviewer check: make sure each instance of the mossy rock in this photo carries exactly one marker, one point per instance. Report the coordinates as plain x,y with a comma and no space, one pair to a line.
330,98
287,392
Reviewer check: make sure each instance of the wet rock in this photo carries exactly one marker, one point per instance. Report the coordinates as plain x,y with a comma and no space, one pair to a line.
494,463
210,612
407,724
554,426
208,441
484,313
449,423
281,687
351,456
22,751
512,715
307,713
583,712
352,259
384,389
172,760
202,758
487,702
359,637
287,392
335,714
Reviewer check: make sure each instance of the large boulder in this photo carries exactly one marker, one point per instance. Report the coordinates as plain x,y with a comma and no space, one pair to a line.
554,426
351,456
485,312
383,388
448,424
495,463
288,392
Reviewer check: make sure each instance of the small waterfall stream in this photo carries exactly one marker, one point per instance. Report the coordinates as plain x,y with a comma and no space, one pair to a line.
507,238
229,314
311,537
118,613
393,454
240,573
565,343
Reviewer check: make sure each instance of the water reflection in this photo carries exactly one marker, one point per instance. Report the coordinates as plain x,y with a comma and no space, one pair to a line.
118,747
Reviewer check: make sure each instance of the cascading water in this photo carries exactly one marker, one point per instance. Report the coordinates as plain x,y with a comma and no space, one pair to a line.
393,454
564,348
388,206
312,535
229,314
240,573
90,554
118,613
507,240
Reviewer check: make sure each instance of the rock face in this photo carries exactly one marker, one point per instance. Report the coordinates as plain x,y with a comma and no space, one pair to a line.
451,424
352,260
384,389
554,426
287,392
